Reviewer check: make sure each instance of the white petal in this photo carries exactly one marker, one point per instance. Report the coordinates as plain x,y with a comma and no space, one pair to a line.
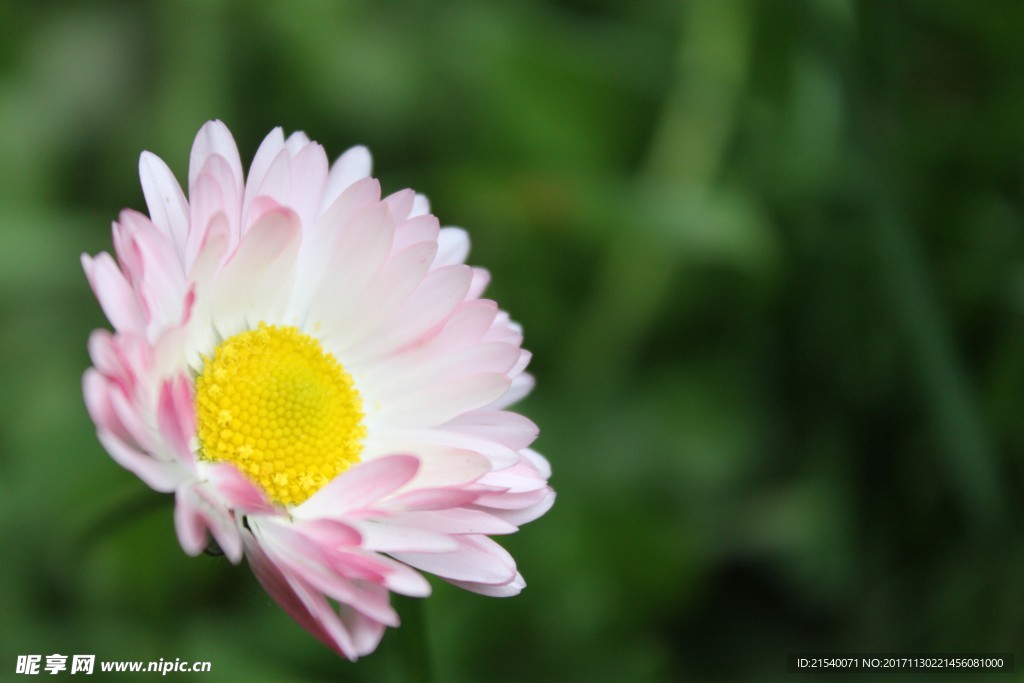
439,294
309,175
351,166
437,405
254,284
453,247
420,206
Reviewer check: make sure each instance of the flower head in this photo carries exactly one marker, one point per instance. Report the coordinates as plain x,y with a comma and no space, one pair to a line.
311,370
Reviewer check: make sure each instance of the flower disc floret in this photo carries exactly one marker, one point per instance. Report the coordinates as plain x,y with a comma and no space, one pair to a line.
280,408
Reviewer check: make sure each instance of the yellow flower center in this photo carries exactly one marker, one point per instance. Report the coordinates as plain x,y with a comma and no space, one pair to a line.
280,408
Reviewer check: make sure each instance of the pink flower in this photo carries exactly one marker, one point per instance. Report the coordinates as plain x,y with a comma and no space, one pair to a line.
310,369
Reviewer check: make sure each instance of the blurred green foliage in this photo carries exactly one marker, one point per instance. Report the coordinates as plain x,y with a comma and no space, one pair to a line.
768,256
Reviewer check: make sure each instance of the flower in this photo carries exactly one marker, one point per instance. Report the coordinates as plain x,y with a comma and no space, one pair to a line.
313,373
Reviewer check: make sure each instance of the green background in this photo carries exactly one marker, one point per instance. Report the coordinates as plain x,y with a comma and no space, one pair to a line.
768,255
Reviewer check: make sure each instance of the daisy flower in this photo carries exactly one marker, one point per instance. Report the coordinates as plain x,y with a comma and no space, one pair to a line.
311,370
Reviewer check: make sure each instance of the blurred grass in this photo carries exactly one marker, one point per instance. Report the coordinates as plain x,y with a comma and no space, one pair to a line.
768,257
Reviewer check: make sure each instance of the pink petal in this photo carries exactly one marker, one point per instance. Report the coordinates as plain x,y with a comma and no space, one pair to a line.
296,142
155,268
322,569
437,405
235,489
499,455
505,330
445,467
504,590
481,278
398,577
530,506
439,498
211,254
176,417
501,501
168,353
350,167
458,520
299,607
167,206
331,533
479,560
223,529
400,204
356,198
130,416
357,256
469,322
366,632
214,139
94,390
276,184
115,295
268,151
359,487
159,475
380,536
319,243
194,513
439,294
212,195
415,230
363,246
188,522
518,479
521,386
511,429
422,368
258,275
339,637
401,275
104,355
539,462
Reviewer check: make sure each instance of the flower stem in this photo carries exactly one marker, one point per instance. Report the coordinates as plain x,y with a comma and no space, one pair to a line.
412,637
